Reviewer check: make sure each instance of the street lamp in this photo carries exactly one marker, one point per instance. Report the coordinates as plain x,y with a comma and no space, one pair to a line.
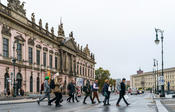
157,42
14,62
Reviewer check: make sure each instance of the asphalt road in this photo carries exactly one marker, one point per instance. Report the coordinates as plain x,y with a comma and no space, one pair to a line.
139,103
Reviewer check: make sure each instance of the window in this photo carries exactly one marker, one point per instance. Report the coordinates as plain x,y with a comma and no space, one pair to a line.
5,47
50,61
30,55
31,83
56,62
44,59
37,57
19,51
77,69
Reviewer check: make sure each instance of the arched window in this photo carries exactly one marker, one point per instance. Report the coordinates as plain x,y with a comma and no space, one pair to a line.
38,84
19,81
6,83
31,83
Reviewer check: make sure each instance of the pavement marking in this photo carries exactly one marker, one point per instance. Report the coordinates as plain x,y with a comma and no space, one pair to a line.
160,107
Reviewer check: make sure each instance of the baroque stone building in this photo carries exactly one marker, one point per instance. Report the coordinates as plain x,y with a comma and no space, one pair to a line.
38,51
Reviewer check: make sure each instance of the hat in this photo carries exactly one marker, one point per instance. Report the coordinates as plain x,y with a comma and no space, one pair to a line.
47,78
123,79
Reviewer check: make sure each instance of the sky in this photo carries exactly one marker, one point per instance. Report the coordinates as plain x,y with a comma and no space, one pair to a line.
119,32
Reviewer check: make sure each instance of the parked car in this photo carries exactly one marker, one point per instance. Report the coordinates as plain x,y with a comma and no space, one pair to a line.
134,91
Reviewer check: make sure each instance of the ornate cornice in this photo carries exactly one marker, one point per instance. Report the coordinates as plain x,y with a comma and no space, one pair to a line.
6,30
31,41
45,48
38,46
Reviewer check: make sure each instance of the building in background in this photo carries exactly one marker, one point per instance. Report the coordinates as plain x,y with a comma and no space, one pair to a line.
150,80
38,51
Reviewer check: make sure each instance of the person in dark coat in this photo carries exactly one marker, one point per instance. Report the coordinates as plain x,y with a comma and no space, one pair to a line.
122,92
88,92
105,92
71,89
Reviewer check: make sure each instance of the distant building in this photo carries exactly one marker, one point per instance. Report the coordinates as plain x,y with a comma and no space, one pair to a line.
149,80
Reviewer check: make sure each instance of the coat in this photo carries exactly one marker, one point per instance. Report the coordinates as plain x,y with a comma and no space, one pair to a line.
58,86
71,88
123,88
46,87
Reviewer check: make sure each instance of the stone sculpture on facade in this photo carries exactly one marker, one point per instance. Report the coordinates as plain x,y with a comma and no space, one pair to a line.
17,6
52,30
61,30
47,26
33,17
6,30
40,24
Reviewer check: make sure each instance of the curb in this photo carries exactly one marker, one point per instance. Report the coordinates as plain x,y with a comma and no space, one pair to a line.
160,106
18,102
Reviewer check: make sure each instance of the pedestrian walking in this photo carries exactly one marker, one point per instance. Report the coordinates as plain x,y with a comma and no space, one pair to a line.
46,91
109,90
122,92
88,92
71,90
56,85
105,92
76,93
95,91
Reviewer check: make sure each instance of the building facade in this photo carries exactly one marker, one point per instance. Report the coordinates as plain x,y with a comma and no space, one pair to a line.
38,52
150,80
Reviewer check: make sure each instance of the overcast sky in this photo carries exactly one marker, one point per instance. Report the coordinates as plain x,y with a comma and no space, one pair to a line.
119,32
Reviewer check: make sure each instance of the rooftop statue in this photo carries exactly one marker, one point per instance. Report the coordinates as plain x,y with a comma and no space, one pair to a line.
47,27
61,30
17,6
40,23
33,17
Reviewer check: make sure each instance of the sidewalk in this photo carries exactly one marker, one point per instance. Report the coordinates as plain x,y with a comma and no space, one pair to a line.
166,104
4,100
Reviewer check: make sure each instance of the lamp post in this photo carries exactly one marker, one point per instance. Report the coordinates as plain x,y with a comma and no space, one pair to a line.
154,74
157,42
14,62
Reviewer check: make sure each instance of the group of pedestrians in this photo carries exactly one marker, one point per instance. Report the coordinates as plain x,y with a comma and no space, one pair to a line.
91,91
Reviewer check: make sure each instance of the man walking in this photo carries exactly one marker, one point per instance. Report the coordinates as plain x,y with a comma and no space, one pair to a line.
122,92
71,89
88,92
105,92
46,91
95,91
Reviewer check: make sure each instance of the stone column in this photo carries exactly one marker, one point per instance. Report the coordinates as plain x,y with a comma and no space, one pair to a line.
61,60
65,63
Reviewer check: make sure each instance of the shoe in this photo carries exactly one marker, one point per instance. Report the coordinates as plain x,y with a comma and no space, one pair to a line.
84,103
99,102
49,104
104,104
58,105
93,102
38,102
108,104
117,105
128,104
61,100
78,101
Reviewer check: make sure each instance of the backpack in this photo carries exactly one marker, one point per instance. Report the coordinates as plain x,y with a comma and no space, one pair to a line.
84,89
52,84
42,87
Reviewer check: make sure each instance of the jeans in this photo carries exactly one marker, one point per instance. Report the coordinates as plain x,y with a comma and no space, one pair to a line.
46,95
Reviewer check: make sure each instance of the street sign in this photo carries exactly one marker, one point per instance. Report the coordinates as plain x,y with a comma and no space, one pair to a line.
161,80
